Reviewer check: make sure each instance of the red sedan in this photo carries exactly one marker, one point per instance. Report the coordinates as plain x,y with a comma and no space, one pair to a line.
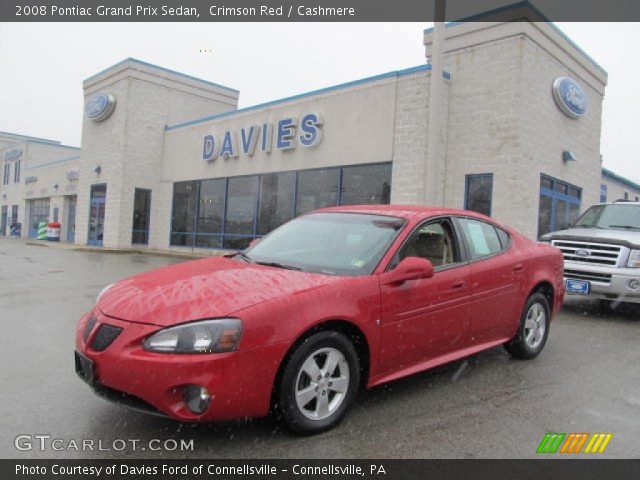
329,302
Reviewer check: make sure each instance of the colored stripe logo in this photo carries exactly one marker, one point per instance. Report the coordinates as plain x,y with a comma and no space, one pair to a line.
574,442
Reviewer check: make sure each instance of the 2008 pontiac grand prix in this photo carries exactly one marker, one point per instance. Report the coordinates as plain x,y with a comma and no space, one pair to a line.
332,301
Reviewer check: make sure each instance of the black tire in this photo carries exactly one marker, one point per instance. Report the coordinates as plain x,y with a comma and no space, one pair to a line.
522,346
294,379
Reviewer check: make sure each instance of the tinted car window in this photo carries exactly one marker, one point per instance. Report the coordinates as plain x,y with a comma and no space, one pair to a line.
481,238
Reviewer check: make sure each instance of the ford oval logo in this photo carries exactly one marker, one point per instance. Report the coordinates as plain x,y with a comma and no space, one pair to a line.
583,252
570,97
100,106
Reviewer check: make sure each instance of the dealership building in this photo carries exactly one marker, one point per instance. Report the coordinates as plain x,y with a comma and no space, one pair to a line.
168,161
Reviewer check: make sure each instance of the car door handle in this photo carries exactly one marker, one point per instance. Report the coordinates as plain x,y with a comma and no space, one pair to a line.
518,268
458,285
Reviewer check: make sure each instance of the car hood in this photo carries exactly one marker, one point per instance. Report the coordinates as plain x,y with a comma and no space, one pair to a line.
207,288
627,238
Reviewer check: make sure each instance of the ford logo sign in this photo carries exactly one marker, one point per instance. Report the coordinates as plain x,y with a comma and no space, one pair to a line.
583,252
570,97
100,106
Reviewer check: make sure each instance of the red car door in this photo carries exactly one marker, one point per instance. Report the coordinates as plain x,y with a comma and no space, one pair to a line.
424,319
496,270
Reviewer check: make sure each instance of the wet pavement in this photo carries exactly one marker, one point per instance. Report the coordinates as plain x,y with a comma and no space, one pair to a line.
487,406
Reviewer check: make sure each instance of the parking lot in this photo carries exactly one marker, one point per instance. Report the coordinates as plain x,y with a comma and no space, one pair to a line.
487,406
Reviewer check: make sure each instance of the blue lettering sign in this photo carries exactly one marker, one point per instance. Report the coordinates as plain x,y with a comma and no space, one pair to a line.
249,140
229,146
210,148
310,128
267,134
286,132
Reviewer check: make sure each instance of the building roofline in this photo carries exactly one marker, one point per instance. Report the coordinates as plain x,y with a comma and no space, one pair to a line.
620,179
535,13
162,69
30,138
52,162
340,86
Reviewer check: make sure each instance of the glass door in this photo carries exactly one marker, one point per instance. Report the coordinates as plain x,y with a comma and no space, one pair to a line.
3,221
96,215
71,218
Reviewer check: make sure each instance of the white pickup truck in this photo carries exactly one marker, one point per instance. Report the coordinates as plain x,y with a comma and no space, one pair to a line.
602,252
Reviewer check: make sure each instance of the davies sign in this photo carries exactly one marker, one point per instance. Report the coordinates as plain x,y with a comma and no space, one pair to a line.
570,97
284,134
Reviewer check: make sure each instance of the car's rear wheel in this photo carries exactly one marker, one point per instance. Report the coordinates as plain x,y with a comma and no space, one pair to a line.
533,330
319,382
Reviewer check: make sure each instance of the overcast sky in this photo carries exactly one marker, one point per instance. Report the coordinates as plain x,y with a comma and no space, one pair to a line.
43,66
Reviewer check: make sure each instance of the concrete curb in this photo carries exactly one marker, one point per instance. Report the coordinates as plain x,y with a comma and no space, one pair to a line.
121,251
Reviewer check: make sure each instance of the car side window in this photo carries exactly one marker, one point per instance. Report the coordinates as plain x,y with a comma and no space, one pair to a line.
482,238
434,241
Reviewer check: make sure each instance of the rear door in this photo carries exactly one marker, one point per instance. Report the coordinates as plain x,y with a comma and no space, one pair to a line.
427,318
496,273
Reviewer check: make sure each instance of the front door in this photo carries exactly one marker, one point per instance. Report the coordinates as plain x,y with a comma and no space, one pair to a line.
96,215
71,218
427,318
3,221
38,214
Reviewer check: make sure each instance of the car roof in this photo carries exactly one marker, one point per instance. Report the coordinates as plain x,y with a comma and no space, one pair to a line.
402,211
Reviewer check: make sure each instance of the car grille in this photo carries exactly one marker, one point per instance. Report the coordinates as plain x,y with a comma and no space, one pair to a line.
588,276
105,337
589,253
87,329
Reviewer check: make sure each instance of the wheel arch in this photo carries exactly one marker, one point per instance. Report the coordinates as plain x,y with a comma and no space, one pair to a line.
347,328
545,287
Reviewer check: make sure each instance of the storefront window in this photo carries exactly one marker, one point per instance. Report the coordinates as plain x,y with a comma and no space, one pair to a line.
276,200
242,199
559,205
184,213
141,214
317,189
211,213
479,193
230,212
366,184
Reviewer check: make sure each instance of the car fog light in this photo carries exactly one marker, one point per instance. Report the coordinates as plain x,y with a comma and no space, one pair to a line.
634,284
197,398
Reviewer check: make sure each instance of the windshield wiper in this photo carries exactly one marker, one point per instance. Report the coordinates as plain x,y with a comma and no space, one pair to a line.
627,227
244,256
589,226
278,265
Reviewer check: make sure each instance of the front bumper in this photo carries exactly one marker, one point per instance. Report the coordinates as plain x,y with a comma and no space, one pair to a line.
607,283
240,382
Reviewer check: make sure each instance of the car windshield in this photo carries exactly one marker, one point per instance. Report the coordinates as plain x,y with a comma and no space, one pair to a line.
616,216
331,243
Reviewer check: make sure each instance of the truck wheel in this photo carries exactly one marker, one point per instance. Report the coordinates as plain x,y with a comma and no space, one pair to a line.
533,330
319,382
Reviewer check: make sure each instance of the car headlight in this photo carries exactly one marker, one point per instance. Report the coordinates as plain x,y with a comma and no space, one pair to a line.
634,259
103,291
204,336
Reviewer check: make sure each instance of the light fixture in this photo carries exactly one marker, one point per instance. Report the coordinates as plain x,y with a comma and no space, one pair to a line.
568,156
55,185
97,169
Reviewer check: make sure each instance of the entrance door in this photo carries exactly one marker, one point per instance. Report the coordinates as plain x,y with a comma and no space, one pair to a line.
71,218
38,213
3,221
96,215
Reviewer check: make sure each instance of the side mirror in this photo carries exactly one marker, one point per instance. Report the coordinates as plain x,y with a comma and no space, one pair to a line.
411,268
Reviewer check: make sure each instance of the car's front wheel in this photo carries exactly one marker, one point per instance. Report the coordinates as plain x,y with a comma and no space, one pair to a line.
319,382
533,330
